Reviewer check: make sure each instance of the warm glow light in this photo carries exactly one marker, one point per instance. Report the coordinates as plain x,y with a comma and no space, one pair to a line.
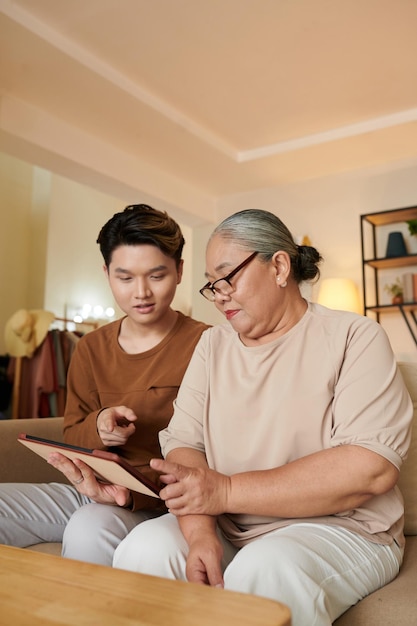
339,293
98,310
85,311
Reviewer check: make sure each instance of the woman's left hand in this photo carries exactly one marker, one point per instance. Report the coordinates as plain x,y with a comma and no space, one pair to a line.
192,490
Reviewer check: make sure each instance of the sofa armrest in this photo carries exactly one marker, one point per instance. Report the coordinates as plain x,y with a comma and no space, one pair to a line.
18,463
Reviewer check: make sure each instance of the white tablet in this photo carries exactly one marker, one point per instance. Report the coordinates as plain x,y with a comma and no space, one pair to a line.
107,466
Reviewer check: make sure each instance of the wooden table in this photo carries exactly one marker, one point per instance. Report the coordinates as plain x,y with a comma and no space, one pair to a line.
41,589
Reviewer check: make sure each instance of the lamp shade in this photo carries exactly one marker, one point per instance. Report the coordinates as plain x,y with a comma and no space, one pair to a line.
339,293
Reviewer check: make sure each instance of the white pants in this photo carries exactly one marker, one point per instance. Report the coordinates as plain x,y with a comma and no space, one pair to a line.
54,512
318,571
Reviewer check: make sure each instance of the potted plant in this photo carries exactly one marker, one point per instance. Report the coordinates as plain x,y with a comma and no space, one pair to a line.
396,291
412,226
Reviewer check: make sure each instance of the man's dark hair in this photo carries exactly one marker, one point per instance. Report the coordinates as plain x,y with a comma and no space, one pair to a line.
141,224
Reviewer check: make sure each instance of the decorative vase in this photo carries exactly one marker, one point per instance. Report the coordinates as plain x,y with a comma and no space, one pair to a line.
412,244
396,245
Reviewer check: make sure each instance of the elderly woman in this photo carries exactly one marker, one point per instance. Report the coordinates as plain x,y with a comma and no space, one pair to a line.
289,430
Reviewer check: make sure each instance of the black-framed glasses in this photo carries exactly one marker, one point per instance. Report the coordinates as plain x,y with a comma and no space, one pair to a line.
223,285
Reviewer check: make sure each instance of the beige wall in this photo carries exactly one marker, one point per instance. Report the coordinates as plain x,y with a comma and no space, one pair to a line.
19,228
74,265
49,225
48,253
328,211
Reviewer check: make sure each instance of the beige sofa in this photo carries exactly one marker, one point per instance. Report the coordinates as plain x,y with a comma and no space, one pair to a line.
18,464
394,604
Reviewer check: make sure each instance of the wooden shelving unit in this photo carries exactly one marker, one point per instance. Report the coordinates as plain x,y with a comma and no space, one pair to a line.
373,265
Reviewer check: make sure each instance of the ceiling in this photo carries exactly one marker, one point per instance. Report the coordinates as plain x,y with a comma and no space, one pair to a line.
226,96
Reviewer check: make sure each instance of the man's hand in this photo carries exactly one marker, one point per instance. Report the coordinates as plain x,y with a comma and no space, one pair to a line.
192,490
84,480
115,425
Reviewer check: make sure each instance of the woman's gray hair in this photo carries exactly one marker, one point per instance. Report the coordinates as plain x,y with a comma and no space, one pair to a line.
255,229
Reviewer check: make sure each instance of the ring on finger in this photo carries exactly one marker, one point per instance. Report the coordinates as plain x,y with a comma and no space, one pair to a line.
80,480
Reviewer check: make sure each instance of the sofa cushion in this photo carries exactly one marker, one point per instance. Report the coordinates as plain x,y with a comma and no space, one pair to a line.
408,475
47,548
395,604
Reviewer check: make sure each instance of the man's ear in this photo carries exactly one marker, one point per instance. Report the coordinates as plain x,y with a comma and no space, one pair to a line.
105,270
180,271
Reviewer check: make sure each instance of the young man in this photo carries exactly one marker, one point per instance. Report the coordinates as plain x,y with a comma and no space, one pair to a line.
122,381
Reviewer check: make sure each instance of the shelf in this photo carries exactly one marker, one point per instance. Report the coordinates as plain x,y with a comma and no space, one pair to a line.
392,261
407,310
392,308
391,217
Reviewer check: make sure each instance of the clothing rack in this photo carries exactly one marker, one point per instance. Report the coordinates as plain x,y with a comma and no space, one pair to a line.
18,366
66,320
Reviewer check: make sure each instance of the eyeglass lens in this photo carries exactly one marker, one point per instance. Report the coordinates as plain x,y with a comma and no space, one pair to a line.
223,285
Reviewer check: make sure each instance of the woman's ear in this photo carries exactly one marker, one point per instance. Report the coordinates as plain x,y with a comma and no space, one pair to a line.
282,265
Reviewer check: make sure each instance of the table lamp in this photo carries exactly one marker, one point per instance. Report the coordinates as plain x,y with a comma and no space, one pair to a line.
339,293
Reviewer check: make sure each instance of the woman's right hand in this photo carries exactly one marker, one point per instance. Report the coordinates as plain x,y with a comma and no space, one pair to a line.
115,425
204,561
